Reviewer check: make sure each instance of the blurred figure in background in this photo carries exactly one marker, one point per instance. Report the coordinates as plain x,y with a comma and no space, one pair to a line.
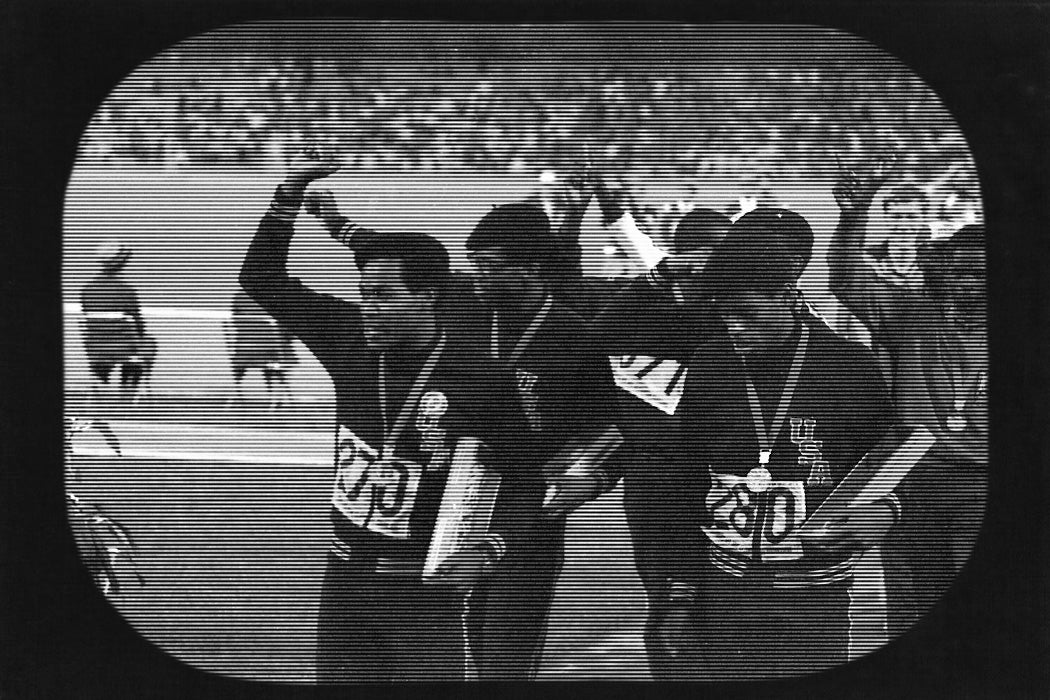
114,332
932,340
256,341
895,258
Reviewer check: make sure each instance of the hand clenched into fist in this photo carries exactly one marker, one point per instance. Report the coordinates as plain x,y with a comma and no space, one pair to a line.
311,164
856,189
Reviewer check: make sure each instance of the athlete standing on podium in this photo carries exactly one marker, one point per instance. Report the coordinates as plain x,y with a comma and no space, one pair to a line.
565,389
516,310
773,411
406,389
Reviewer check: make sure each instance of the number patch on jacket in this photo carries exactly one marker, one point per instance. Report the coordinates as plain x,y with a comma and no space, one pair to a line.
734,513
377,494
657,382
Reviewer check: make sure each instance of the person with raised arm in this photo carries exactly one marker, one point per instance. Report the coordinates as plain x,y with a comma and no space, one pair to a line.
932,340
409,393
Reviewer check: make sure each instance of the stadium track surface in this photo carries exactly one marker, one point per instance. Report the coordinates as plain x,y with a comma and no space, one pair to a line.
230,525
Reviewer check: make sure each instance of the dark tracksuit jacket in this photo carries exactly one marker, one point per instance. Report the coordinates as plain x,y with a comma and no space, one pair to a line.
693,518
481,399
565,390
376,517
649,340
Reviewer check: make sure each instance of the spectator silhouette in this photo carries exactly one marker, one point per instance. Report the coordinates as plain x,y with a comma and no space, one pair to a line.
114,332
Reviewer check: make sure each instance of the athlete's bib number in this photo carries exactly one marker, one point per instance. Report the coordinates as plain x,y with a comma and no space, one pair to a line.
656,381
377,494
734,511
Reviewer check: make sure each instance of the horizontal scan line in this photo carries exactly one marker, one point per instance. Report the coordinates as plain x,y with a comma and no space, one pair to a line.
192,456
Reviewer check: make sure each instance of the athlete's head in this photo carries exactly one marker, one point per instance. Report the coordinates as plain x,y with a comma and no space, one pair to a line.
954,270
510,249
905,210
751,278
695,236
402,277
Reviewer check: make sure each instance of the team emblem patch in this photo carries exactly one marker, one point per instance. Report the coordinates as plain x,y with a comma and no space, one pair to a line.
809,454
432,407
658,382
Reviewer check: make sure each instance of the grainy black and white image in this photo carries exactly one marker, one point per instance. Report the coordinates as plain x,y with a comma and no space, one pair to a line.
401,351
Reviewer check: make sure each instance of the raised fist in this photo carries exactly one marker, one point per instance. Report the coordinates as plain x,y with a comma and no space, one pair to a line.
312,164
856,189
322,205
614,199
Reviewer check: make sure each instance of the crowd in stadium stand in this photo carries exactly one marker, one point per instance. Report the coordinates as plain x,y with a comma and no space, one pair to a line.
252,108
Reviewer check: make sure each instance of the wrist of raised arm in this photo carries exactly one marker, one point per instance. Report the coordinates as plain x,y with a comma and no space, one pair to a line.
494,547
659,277
289,195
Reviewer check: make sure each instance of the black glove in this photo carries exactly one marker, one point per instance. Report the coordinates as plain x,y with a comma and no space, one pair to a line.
674,618
674,626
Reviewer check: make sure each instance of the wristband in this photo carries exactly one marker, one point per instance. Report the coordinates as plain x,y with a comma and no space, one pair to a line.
894,503
345,232
286,202
658,276
604,481
681,593
494,548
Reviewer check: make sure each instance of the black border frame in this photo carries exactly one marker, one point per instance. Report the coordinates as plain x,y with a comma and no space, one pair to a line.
986,61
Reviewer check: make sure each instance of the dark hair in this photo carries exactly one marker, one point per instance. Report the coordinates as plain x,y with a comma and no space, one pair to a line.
935,256
520,229
765,250
700,228
904,194
424,260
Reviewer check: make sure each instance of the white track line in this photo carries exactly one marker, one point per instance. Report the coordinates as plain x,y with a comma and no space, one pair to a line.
192,456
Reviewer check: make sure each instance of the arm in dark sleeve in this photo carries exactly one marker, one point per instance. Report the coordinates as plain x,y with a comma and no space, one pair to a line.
643,318
597,405
264,276
878,304
666,523
567,257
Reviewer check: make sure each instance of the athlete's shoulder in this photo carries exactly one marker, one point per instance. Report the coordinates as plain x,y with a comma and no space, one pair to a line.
845,363
826,341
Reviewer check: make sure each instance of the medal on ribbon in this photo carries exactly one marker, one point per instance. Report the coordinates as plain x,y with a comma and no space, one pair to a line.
432,407
759,478
956,422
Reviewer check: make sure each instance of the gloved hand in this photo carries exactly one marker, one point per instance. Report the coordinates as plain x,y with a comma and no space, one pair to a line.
312,163
468,567
673,627
570,489
614,199
856,189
